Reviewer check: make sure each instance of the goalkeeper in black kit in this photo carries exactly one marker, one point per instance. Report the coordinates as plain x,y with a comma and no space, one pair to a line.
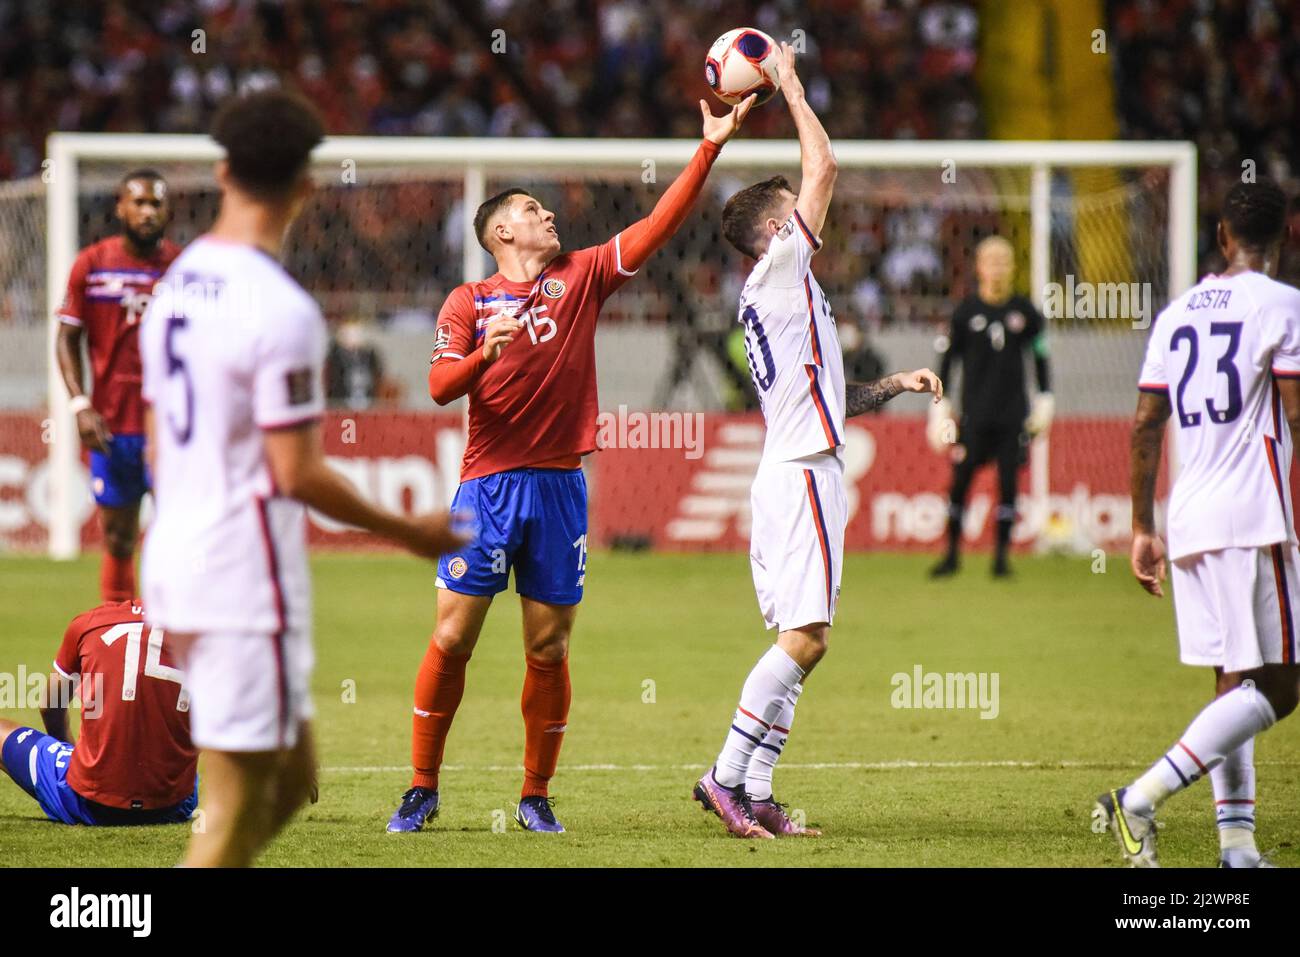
989,335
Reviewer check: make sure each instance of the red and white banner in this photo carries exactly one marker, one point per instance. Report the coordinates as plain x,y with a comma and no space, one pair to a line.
691,497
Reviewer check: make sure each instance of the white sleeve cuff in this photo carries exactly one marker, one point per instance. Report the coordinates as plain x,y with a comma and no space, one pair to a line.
68,320
618,257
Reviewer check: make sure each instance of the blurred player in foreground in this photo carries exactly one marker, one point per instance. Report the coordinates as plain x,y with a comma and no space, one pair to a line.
233,354
108,290
1225,356
990,333
798,498
532,416
133,762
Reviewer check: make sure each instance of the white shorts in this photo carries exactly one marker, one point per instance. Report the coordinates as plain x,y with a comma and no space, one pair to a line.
796,545
249,691
1236,607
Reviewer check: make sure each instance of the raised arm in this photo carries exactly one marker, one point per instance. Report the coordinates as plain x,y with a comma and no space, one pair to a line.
817,161
639,241
861,397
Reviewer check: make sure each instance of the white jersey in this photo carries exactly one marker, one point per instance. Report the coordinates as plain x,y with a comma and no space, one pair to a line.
1215,351
231,346
793,349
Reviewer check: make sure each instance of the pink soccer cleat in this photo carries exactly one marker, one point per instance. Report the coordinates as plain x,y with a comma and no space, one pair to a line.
772,816
732,805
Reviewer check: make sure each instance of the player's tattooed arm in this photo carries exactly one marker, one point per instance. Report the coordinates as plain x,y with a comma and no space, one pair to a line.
1147,555
1148,436
862,397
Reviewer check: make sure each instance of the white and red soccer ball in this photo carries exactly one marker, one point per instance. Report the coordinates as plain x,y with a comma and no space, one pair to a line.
741,62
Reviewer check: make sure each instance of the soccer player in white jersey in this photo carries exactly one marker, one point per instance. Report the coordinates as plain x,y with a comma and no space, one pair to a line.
1224,360
232,351
798,497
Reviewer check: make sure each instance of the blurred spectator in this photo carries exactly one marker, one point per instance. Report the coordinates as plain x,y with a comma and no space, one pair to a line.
1222,73
354,370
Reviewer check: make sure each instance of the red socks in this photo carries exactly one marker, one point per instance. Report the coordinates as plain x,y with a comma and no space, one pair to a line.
545,704
117,578
438,690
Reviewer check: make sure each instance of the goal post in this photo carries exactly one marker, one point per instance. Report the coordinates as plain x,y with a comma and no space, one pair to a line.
472,164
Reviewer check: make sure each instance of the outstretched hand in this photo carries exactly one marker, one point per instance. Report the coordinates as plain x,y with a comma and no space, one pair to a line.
719,129
791,85
922,380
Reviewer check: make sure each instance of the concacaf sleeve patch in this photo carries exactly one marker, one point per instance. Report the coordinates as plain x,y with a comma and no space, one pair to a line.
298,383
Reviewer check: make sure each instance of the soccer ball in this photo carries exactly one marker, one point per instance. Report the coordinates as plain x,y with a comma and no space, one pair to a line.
741,62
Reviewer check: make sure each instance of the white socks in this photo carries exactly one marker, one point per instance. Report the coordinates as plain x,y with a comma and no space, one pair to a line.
762,701
1234,806
758,778
1221,728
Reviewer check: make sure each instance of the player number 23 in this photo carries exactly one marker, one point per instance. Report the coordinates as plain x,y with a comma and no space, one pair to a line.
1226,366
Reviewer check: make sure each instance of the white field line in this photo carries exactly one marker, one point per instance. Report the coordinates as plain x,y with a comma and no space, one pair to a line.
822,766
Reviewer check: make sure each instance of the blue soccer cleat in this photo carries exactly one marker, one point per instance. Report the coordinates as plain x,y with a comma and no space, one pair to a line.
535,814
418,806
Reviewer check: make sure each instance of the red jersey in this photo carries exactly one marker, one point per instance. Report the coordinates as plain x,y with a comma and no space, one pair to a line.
107,294
134,749
536,404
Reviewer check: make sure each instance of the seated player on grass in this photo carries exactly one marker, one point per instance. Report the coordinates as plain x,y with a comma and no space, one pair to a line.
134,763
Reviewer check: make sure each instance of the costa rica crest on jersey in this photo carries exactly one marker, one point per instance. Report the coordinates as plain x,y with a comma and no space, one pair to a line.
553,288
457,567
1016,320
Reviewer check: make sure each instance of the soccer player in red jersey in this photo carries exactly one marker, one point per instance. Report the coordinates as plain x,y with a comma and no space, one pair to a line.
133,762
521,344
110,286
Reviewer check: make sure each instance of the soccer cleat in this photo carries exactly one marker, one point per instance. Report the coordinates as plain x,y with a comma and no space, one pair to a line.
1001,568
534,814
732,806
419,805
771,814
1136,833
946,568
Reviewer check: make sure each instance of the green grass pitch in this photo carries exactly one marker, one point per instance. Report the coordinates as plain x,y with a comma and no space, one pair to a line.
1089,685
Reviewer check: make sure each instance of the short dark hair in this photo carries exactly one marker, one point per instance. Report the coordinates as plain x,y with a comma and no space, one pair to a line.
268,137
743,215
1256,213
488,208
142,172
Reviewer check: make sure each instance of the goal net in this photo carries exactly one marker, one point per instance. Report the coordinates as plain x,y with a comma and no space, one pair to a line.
1103,233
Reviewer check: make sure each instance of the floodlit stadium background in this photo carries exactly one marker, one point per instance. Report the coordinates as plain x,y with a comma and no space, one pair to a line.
380,253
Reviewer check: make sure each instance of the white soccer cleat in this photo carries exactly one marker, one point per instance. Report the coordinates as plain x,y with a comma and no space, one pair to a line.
1136,833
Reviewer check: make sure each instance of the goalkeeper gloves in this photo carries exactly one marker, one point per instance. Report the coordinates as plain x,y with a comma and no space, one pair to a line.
941,427
1041,411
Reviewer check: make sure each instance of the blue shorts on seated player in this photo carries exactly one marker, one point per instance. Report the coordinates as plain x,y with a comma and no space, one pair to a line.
38,763
531,520
120,478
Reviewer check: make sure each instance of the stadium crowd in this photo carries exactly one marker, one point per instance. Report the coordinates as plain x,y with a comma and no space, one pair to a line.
621,68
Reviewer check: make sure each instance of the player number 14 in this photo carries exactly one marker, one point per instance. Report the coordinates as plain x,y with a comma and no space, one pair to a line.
153,666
